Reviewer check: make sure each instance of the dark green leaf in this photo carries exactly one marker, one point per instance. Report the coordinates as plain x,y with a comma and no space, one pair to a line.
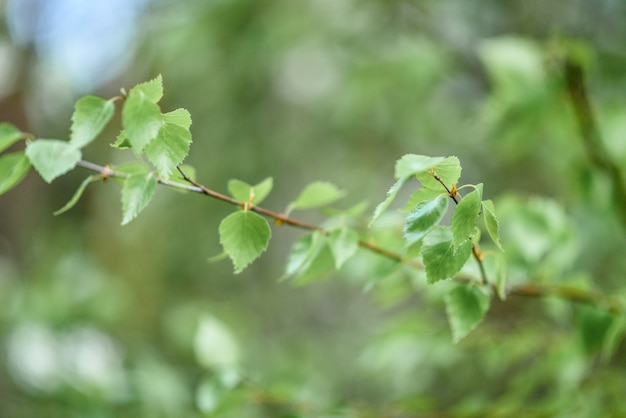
411,164
137,192
491,222
319,193
466,306
78,193
91,115
13,168
464,217
448,170
391,195
244,235
169,148
9,135
442,259
343,243
423,218
52,157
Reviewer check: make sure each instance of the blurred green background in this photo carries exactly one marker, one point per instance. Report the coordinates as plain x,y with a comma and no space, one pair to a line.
99,320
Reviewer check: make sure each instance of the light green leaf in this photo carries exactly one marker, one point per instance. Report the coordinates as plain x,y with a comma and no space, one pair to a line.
410,164
421,195
91,115
442,259
169,148
142,120
78,193
491,222
180,117
466,306
137,191
241,190
463,223
52,157
13,168
9,135
244,235
319,193
423,218
310,258
121,141
391,195
449,170
343,243
318,266
152,89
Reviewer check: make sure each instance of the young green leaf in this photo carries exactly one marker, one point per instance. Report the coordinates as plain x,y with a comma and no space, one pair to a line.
448,170
244,235
310,258
78,193
152,89
142,120
421,195
9,135
137,191
319,266
13,168
423,218
169,148
463,223
316,194
442,259
343,243
91,115
466,306
180,117
241,190
121,142
52,157
391,195
491,222
410,164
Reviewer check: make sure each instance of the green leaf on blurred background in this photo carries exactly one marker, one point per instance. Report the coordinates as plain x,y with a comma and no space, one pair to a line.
244,192
169,148
78,193
422,195
466,306
9,135
91,115
316,194
52,157
442,258
310,258
391,195
449,170
412,164
343,243
180,117
137,192
141,118
152,89
244,235
491,222
463,223
13,168
423,218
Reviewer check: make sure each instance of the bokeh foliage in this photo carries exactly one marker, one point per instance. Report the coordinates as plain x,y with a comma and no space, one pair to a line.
102,320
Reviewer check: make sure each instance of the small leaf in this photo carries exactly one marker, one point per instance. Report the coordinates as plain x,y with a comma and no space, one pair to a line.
310,258
142,120
137,191
442,259
121,142
91,115
262,190
169,148
463,223
491,222
343,243
302,251
423,218
391,195
180,117
244,235
152,89
466,306
52,157
421,195
449,170
77,194
318,266
317,194
9,135
13,168
241,190
411,164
